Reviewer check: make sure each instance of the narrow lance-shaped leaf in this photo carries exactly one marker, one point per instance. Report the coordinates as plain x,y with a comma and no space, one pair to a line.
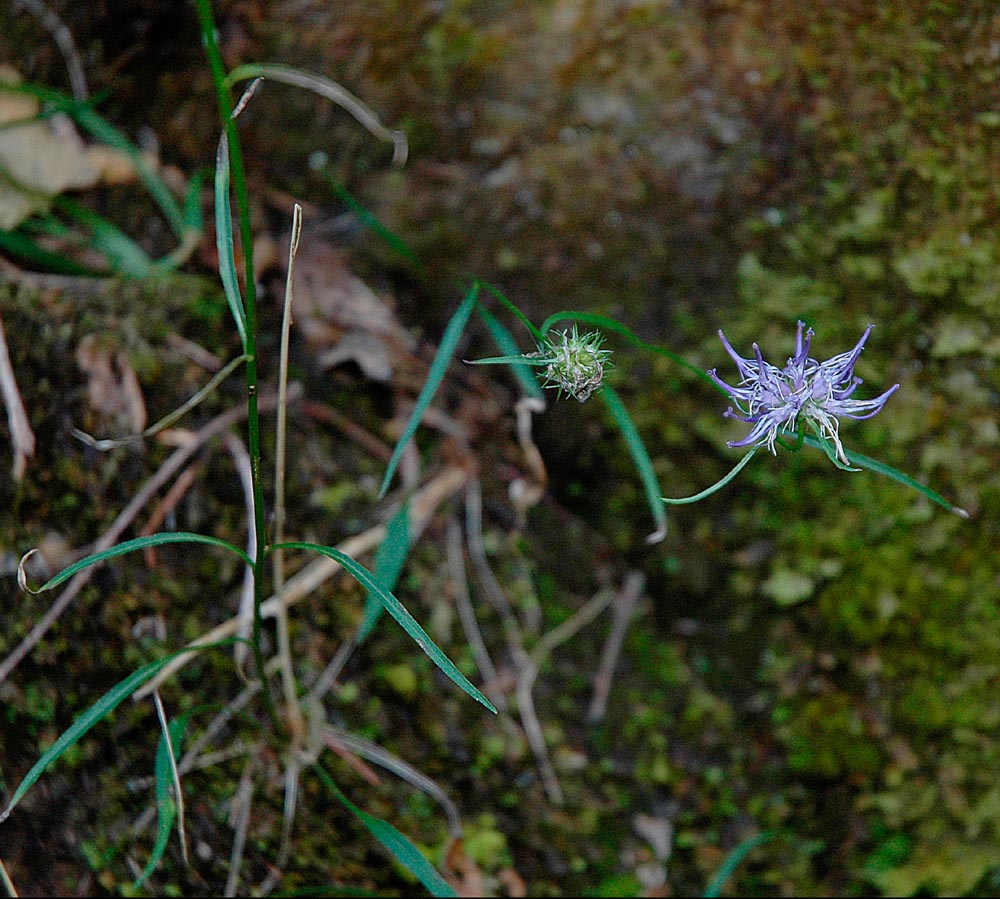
124,254
224,240
402,849
98,711
890,472
166,808
537,333
398,611
508,346
732,862
389,560
121,549
718,485
449,342
640,456
609,324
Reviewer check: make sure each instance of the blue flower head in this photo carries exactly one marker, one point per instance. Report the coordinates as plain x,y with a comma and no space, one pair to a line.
775,401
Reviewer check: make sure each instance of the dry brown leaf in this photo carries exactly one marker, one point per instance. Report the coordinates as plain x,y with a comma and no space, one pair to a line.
112,386
38,159
333,308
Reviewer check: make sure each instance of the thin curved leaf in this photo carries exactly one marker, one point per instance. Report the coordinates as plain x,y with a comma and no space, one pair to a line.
733,861
369,220
640,456
98,711
718,485
609,324
166,808
224,240
402,849
538,334
121,549
398,611
449,342
389,560
124,254
508,346
890,472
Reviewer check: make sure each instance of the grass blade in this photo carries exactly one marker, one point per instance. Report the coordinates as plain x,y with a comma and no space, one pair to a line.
640,456
224,240
732,862
401,848
23,247
329,89
120,549
124,254
389,560
368,219
86,117
538,334
508,347
98,711
398,611
166,808
718,485
609,324
890,472
449,342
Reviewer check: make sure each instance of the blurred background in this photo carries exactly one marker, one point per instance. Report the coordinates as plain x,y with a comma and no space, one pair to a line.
814,656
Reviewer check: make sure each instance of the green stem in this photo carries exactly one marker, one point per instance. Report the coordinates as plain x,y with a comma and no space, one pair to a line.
218,69
718,485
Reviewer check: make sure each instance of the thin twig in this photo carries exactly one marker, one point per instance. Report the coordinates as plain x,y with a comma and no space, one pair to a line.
477,552
467,615
218,425
375,753
166,505
202,393
622,610
174,774
8,884
328,677
64,41
240,819
526,682
422,505
22,438
296,722
241,460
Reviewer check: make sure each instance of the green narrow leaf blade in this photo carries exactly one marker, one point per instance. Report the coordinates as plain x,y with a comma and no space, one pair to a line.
124,254
609,324
166,808
508,346
369,220
121,549
402,849
449,341
718,485
732,862
192,203
894,473
224,240
99,710
389,560
640,456
23,247
538,334
398,611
